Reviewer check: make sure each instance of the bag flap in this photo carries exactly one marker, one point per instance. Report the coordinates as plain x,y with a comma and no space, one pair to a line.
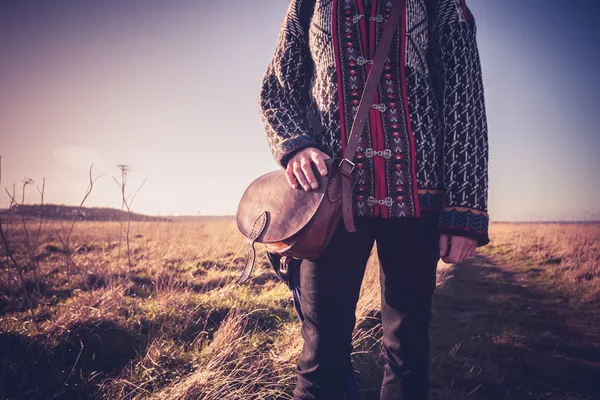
288,210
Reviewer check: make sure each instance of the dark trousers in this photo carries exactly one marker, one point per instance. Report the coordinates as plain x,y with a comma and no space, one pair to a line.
408,250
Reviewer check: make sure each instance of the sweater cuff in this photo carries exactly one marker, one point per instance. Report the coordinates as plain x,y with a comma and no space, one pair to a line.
464,221
289,147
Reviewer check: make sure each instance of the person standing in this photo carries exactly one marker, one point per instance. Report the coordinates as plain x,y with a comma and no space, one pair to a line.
421,165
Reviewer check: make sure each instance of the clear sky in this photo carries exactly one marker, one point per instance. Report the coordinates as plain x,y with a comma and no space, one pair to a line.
171,88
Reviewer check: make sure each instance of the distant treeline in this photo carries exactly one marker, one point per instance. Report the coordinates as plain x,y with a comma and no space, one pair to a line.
52,211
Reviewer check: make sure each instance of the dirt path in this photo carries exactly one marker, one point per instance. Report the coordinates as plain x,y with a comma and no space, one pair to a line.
497,333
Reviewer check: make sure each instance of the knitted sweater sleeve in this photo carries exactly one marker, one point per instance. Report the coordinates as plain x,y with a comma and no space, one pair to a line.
465,147
285,89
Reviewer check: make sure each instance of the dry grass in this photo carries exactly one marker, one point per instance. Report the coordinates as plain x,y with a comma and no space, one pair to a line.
176,327
567,255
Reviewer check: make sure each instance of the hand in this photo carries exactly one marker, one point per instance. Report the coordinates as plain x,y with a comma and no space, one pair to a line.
455,248
299,168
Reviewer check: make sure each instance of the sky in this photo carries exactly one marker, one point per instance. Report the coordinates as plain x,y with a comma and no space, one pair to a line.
171,89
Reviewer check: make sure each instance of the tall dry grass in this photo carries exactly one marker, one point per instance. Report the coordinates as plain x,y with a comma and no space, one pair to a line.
174,325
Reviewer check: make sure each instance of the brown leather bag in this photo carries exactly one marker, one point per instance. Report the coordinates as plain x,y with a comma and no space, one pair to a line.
299,224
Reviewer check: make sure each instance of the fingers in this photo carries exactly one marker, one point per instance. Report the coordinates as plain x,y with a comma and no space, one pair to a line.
465,251
306,166
473,250
444,240
298,172
461,248
470,247
453,256
289,174
319,161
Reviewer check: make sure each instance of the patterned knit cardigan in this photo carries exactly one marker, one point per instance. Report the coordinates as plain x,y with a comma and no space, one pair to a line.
425,146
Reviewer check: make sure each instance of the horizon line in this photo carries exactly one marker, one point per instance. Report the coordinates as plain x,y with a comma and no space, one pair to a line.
589,221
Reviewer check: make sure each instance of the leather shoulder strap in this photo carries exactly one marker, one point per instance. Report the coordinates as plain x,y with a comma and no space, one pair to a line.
366,100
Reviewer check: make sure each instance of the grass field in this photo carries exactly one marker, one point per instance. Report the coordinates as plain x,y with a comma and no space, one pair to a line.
520,320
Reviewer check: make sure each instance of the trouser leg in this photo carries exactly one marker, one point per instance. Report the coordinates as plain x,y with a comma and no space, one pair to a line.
408,251
330,286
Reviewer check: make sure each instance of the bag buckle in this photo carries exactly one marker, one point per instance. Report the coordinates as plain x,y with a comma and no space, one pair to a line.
341,165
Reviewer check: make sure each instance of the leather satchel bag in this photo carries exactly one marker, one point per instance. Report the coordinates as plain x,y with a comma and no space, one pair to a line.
299,224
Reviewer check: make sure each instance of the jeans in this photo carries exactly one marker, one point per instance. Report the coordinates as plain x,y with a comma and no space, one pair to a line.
326,291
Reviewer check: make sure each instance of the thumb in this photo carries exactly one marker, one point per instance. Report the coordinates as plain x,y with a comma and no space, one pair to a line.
444,240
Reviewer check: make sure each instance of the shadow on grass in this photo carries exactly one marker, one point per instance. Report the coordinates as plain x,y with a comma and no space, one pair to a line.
88,353
494,336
